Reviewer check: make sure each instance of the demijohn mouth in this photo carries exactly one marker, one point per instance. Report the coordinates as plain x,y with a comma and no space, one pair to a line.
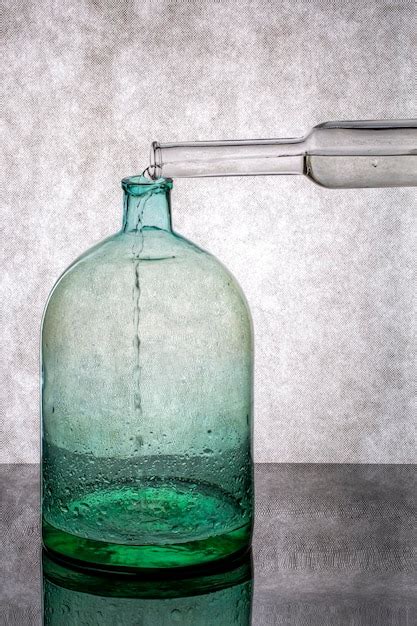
140,184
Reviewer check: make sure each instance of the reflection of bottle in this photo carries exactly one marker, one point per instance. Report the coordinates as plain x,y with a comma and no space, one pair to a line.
147,399
74,597
334,154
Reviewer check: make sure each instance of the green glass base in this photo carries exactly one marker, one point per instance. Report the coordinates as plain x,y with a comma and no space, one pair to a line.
115,556
178,523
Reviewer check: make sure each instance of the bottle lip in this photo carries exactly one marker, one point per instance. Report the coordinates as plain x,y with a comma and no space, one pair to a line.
140,184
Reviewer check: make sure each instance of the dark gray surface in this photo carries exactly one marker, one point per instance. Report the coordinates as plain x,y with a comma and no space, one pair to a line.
334,544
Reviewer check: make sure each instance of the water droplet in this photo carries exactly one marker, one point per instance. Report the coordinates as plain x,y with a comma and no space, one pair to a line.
176,615
374,163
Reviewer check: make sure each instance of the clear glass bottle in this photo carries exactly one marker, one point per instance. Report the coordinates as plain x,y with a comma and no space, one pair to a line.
74,598
379,153
147,359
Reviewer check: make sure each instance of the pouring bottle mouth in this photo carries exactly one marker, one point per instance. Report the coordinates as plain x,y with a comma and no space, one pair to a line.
155,161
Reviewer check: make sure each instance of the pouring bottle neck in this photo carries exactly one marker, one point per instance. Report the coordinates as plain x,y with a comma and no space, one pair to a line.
228,158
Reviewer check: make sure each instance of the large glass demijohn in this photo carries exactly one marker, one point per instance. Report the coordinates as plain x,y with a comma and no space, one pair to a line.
147,358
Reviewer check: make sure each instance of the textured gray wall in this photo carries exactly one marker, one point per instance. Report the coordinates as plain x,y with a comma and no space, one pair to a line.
328,274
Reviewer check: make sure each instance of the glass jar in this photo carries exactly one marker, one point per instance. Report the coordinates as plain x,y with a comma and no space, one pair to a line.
147,360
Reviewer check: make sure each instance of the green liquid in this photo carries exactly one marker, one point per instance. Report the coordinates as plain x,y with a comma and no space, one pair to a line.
156,524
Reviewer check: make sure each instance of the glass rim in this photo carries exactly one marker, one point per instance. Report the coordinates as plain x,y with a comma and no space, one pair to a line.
141,184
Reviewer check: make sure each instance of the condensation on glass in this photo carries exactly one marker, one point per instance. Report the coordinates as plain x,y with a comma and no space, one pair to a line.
334,154
147,359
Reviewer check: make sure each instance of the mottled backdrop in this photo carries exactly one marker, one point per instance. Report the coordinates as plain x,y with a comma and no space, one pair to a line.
328,274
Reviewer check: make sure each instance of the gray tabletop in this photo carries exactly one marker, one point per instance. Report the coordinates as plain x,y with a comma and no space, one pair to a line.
333,544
